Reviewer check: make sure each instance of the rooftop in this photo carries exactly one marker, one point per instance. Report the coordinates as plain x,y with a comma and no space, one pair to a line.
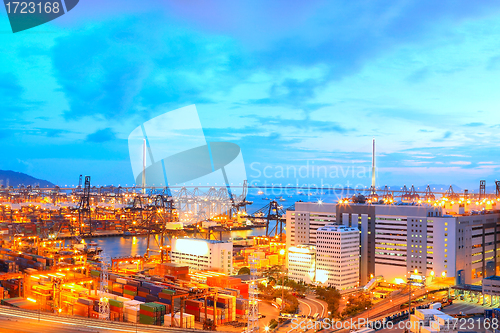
494,277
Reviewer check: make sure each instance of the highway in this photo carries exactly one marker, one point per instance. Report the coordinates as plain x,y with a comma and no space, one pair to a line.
16,320
307,306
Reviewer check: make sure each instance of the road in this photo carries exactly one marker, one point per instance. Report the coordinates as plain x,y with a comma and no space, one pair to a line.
307,306
15,320
268,310
383,309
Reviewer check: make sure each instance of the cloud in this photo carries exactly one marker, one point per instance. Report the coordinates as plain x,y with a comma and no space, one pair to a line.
419,75
493,63
460,163
474,124
205,50
11,95
445,136
116,79
305,124
102,135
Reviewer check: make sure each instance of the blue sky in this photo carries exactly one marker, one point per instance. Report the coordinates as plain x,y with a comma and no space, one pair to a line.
294,83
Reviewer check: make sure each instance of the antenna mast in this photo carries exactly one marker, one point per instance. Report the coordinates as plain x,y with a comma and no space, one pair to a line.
144,166
373,165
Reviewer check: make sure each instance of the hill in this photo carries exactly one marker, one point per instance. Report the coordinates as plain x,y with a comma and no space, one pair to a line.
12,178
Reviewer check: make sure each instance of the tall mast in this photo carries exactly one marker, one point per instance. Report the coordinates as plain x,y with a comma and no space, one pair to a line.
144,166
373,165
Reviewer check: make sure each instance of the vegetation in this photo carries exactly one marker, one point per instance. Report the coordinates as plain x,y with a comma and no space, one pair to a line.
298,287
272,324
332,297
244,271
270,293
356,304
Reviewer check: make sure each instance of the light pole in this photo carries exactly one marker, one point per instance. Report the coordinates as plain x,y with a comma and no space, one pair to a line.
283,291
409,292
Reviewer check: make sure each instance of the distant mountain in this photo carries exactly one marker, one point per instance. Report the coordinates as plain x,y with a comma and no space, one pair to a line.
15,179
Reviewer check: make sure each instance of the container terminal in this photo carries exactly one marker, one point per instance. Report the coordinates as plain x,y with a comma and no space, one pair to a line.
48,262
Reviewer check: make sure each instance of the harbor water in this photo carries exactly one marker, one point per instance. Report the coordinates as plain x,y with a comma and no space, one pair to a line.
137,245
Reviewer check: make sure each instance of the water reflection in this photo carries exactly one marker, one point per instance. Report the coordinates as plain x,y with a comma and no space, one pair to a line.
132,245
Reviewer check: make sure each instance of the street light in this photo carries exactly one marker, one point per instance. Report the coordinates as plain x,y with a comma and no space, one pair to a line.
266,328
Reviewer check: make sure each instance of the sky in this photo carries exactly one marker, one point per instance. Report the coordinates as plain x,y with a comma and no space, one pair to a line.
297,85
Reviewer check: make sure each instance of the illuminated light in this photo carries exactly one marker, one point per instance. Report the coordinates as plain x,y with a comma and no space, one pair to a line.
443,274
432,273
282,251
399,281
321,275
31,300
415,271
477,202
59,310
192,246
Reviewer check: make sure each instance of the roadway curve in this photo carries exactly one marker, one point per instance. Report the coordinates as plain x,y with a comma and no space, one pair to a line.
16,320
307,306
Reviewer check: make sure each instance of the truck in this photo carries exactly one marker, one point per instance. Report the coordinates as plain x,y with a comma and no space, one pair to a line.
435,306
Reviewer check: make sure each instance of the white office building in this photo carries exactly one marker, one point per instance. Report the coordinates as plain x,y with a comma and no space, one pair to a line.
437,241
301,224
337,256
203,254
302,263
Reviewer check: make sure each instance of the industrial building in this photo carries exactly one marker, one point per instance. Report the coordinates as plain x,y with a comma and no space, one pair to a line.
203,254
446,240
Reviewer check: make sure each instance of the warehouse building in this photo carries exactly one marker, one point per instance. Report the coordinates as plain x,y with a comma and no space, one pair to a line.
203,254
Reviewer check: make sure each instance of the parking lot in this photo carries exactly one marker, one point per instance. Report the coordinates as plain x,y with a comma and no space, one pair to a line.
464,307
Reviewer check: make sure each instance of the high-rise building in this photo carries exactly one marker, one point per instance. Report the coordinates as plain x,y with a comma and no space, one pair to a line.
337,256
203,254
301,224
302,263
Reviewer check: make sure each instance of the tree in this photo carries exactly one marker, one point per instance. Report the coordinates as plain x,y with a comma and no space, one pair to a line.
272,323
244,271
356,304
332,297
